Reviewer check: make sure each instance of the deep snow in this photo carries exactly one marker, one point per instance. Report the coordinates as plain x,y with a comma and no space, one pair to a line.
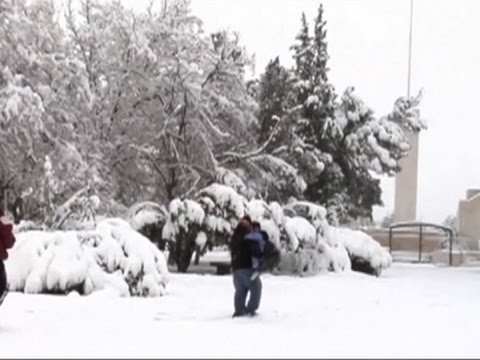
410,311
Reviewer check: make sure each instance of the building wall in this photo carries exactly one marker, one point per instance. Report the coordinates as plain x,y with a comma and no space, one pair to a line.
468,215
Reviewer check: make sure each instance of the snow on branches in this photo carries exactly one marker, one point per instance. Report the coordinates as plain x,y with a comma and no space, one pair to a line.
112,257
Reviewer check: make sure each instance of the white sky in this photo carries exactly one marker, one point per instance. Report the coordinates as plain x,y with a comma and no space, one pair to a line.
368,45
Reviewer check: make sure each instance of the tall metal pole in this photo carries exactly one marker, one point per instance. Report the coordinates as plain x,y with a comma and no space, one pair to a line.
410,49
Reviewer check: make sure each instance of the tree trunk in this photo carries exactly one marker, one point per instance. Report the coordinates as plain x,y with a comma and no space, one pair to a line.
198,253
172,254
185,247
184,259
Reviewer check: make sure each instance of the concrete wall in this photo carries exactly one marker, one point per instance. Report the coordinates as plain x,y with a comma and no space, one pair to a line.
443,257
408,239
468,215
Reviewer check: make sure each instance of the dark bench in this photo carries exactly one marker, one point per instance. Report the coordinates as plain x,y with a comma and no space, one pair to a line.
223,267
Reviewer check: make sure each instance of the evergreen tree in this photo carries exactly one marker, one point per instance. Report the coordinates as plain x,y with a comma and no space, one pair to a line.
274,89
284,130
303,55
322,102
344,132
320,56
314,108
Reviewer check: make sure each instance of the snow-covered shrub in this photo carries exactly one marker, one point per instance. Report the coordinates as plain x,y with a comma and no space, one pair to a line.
366,254
303,262
300,230
223,207
113,256
271,218
27,225
182,230
306,252
272,221
229,178
301,233
76,211
336,249
307,232
315,214
149,218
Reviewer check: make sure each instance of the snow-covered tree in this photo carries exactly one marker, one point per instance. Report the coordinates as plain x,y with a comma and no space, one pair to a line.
274,89
278,129
336,144
303,54
314,94
363,145
125,107
172,100
40,88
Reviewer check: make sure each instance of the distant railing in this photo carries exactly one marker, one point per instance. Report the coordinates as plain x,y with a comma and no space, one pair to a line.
422,225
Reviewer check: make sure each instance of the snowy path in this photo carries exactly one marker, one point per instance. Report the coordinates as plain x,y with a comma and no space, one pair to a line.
410,311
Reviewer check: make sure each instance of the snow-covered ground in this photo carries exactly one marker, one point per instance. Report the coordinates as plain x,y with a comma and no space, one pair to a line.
410,311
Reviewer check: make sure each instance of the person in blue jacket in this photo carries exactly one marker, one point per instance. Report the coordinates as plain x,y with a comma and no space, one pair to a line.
244,250
260,237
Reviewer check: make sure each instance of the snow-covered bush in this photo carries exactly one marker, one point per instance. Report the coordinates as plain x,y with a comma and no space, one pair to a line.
301,233
78,210
223,207
183,231
271,218
306,230
111,257
149,218
300,230
272,221
26,225
306,253
200,224
229,178
317,246
366,254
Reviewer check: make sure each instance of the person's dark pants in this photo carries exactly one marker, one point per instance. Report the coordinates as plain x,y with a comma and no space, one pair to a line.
242,280
3,282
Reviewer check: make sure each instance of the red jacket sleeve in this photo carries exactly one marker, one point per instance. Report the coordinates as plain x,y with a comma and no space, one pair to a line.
6,235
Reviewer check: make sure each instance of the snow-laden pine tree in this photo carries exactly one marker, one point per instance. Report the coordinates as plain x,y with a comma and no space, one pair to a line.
315,106
278,117
314,94
274,92
338,144
303,53
274,89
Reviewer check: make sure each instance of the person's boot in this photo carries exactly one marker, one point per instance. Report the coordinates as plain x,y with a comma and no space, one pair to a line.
238,314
